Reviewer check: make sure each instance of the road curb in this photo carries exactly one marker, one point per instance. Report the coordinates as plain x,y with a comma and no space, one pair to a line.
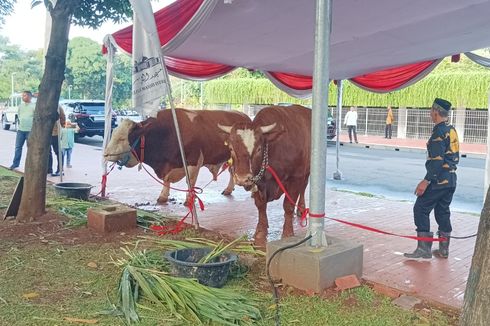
402,148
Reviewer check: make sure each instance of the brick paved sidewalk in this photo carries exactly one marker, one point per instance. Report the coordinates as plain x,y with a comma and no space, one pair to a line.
439,280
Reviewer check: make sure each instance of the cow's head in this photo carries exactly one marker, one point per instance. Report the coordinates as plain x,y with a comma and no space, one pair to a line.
247,146
123,138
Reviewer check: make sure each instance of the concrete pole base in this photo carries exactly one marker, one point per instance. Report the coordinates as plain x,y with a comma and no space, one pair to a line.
337,175
309,268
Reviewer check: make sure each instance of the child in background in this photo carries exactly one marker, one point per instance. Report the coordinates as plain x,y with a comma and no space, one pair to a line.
68,141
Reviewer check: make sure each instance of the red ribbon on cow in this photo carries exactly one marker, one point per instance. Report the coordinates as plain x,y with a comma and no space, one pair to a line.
306,212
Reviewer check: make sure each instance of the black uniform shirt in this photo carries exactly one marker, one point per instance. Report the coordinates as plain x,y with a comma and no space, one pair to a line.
442,156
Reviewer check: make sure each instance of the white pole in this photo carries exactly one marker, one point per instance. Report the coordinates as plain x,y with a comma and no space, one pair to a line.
12,80
318,164
337,175
487,161
367,115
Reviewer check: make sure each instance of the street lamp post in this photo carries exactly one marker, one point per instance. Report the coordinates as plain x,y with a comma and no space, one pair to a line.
69,91
12,79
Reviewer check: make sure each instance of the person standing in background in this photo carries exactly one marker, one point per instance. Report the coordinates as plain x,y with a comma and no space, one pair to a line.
24,126
67,142
54,143
350,121
389,123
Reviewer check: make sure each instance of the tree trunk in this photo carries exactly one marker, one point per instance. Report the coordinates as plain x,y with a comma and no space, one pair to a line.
33,202
477,294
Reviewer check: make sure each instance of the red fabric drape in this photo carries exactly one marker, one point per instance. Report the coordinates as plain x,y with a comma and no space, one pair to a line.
393,78
196,69
169,20
298,82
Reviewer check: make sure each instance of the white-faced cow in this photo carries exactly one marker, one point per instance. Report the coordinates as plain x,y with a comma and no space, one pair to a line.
280,138
204,144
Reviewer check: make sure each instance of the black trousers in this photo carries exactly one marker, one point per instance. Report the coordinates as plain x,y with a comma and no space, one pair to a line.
55,147
388,130
352,130
437,200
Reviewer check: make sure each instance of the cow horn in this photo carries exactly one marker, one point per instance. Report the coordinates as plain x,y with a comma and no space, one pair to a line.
268,128
226,129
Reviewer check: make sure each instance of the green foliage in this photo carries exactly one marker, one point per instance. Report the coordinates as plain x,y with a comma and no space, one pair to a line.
25,65
464,84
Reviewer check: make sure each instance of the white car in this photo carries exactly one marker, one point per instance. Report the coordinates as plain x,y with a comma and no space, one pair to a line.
9,116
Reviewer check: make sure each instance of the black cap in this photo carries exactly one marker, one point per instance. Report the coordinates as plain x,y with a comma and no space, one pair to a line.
442,104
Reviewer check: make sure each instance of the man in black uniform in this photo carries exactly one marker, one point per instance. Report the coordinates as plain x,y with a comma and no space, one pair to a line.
435,191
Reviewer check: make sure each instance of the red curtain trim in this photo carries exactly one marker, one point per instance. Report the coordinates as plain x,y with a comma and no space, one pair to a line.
196,69
169,21
298,82
393,78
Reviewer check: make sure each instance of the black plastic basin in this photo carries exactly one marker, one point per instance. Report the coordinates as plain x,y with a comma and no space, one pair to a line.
184,263
73,190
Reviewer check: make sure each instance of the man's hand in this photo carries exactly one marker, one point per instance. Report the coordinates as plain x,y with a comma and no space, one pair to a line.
421,187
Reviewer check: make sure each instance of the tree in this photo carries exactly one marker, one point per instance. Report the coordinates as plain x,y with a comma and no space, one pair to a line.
90,13
476,297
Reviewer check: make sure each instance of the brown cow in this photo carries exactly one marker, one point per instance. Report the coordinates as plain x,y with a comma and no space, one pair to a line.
278,137
203,144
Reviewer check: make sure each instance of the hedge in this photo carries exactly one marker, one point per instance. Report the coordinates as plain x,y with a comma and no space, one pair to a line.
468,90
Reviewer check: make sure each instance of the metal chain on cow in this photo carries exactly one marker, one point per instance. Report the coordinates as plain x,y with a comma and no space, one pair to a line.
306,212
265,164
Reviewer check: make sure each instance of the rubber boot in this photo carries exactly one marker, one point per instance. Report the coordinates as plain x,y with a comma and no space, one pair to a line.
443,251
424,248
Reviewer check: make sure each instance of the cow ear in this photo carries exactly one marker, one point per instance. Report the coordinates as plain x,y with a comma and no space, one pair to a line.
226,129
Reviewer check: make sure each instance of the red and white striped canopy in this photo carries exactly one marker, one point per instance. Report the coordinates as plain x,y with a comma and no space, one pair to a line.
381,45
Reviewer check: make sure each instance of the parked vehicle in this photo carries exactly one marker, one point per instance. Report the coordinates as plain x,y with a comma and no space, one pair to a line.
89,115
9,115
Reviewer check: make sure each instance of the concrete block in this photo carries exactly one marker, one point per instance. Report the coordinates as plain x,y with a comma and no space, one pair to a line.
112,218
309,268
407,302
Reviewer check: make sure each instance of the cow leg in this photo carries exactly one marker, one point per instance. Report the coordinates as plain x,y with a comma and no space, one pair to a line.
173,176
163,198
193,174
260,236
301,204
231,184
287,228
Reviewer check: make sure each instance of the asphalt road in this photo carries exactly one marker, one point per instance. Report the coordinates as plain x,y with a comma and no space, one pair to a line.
395,174
391,174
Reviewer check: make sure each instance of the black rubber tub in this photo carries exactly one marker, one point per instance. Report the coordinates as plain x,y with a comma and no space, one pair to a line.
73,190
184,263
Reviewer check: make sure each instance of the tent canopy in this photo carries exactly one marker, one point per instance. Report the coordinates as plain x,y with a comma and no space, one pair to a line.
278,35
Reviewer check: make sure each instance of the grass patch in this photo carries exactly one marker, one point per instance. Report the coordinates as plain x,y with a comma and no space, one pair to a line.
45,278
364,194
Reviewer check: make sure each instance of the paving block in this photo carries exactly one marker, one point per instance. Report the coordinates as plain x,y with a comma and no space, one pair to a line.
347,282
386,290
307,268
407,302
112,218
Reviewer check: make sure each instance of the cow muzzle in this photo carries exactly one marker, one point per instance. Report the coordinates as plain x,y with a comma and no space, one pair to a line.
243,180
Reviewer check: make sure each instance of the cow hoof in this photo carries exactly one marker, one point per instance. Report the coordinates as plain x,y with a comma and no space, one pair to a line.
261,242
227,192
162,200
287,233
260,238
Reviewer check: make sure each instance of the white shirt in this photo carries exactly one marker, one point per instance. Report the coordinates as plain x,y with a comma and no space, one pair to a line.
351,118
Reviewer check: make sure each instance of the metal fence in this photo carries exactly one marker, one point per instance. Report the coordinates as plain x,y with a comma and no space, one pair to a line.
417,124
412,123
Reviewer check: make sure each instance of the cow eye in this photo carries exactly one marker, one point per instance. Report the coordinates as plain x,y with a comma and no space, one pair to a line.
259,149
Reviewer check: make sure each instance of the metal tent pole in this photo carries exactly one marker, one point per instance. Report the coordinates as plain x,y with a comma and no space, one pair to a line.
337,175
318,122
